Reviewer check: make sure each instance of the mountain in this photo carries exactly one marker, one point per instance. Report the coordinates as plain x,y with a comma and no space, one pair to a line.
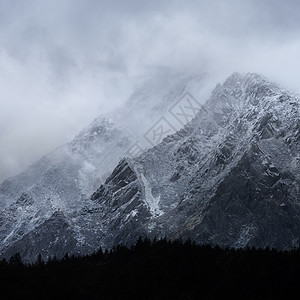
230,177
51,196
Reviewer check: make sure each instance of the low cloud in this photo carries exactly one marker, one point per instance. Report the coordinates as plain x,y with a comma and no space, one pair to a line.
64,62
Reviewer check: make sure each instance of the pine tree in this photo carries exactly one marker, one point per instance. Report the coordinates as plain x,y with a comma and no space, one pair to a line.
15,260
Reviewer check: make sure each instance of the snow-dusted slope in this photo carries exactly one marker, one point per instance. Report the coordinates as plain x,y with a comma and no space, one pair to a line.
230,177
62,180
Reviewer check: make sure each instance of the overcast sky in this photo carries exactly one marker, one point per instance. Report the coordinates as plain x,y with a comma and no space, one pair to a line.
63,62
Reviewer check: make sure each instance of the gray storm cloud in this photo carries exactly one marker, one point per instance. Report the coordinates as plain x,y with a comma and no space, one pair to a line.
64,62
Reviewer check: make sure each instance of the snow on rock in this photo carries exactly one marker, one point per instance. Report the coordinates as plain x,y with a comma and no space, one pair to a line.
151,202
229,177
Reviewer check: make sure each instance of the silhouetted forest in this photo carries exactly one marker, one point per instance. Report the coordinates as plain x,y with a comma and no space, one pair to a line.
157,270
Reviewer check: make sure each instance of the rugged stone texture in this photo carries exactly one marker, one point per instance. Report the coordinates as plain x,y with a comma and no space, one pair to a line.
229,177
52,238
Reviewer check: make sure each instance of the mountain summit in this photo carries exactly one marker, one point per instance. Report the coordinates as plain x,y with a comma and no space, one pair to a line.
229,177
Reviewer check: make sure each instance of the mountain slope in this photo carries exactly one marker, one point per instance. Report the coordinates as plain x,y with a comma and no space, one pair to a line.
63,180
230,177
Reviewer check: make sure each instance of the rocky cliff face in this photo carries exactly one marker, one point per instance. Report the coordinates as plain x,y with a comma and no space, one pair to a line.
64,180
229,177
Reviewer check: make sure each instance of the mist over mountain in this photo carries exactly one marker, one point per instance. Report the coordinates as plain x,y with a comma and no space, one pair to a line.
55,190
229,176
149,149
63,63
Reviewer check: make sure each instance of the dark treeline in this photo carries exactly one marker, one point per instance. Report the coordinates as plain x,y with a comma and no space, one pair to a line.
157,270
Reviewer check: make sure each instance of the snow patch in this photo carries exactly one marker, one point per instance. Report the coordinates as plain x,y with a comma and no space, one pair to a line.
132,214
151,226
247,232
151,202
